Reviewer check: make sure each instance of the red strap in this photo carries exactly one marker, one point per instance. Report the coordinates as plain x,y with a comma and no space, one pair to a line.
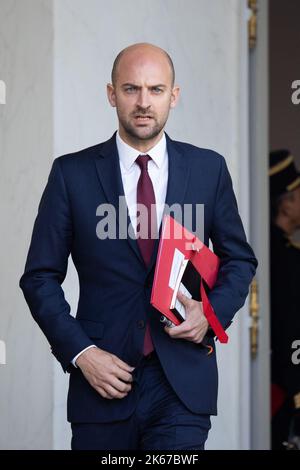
211,316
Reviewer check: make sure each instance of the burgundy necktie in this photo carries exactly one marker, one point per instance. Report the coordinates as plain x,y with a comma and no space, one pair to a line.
147,219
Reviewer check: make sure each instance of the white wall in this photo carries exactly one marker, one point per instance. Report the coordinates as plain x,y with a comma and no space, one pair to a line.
78,45
26,152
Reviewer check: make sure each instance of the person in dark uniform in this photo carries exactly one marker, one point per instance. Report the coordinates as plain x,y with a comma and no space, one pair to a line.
285,299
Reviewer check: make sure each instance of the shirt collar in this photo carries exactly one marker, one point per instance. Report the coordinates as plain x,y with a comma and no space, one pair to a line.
128,154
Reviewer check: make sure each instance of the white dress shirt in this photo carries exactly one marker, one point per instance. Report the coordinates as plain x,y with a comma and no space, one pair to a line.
130,172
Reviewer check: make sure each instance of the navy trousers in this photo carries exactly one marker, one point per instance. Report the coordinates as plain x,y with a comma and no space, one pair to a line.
160,421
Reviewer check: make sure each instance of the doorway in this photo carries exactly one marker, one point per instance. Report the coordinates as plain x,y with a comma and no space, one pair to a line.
284,125
274,123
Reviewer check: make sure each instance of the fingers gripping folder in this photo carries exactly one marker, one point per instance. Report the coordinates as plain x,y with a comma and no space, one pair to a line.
178,247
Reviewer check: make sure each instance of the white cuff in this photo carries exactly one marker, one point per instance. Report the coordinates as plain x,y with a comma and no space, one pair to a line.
79,354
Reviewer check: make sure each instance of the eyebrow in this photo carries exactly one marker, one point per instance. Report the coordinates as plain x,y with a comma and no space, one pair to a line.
161,85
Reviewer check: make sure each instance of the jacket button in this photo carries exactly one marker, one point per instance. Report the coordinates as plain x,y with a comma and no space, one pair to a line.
140,324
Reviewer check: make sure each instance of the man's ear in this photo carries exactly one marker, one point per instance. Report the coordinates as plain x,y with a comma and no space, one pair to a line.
174,96
111,94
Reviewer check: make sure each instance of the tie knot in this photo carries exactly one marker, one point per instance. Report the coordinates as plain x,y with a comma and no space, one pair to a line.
142,161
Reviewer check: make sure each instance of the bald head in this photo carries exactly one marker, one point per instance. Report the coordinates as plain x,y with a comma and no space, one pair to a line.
143,92
140,53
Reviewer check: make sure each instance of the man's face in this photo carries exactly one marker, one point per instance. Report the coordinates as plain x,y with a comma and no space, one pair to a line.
143,95
290,208
295,207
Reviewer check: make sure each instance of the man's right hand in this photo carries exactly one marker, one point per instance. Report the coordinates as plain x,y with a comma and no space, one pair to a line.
106,373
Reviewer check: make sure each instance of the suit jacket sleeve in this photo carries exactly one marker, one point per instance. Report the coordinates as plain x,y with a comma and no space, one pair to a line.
46,268
238,263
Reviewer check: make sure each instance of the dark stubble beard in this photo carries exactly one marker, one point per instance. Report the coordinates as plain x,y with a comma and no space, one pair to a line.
154,132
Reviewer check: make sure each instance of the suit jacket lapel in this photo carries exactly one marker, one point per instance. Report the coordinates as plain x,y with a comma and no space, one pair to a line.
109,173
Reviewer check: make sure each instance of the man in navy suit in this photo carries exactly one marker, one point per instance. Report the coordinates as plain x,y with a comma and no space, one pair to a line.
134,384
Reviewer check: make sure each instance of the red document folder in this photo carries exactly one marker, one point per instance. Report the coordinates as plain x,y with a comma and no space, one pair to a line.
175,236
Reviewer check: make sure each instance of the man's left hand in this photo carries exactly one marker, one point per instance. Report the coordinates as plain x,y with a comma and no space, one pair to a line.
195,325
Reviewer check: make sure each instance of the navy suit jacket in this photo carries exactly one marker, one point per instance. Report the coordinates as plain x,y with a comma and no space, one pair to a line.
115,284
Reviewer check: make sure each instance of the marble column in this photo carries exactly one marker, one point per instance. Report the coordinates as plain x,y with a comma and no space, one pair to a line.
26,152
